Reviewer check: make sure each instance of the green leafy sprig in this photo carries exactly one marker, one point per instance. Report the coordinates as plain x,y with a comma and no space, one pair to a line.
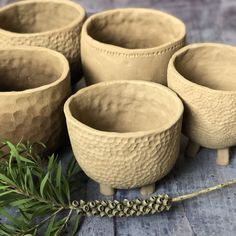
42,195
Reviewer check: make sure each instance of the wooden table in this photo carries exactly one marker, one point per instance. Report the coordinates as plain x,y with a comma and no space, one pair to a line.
213,214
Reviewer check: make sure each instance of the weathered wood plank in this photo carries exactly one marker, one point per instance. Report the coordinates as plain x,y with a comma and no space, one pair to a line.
173,222
96,225
215,213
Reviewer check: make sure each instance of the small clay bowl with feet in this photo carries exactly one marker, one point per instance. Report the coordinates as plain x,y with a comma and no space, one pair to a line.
54,24
129,44
203,75
34,84
125,134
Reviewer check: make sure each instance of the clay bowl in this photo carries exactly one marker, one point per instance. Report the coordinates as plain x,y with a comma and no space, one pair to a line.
54,24
130,44
203,76
125,134
34,84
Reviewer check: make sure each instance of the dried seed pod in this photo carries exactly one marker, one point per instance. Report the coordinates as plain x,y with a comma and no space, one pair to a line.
92,204
100,208
136,207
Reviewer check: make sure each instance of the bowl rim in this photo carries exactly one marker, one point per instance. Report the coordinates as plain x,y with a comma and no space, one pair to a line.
81,17
172,68
76,122
64,64
110,48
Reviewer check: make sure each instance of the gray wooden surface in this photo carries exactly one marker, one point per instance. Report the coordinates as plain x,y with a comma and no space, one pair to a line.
213,214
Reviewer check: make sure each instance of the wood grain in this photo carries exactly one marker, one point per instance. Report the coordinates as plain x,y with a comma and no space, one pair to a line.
213,214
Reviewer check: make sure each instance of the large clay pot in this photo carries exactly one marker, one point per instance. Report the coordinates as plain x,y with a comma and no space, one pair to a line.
125,134
34,84
129,44
203,75
54,24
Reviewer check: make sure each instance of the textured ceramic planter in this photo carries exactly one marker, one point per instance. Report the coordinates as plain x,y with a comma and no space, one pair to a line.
34,85
129,44
125,134
54,24
203,76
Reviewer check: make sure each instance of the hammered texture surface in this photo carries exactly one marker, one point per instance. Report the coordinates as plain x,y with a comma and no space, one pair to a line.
209,116
116,58
65,41
125,162
35,115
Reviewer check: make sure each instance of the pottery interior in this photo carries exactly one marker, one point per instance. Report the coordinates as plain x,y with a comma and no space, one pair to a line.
203,76
126,29
125,39
54,24
125,134
212,67
34,83
39,17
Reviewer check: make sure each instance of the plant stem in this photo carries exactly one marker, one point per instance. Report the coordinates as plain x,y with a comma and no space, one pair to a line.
33,196
203,191
43,221
66,221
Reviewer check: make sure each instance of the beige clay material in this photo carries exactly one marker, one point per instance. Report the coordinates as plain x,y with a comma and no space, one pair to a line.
125,134
54,24
129,44
203,75
192,149
34,84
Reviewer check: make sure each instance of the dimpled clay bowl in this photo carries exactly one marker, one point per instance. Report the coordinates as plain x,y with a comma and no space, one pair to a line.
203,75
128,44
34,84
54,24
125,134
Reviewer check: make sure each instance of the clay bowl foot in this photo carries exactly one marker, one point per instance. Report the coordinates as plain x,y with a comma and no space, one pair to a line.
191,149
222,157
147,189
106,190
109,191
222,154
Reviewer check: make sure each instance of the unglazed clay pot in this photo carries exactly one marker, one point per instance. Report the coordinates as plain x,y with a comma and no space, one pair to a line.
54,24
34,84
125,134
129,44
203,75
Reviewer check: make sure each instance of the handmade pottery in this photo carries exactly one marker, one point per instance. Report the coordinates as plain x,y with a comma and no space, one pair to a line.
54,24
129,44
34,84
203,76
125,134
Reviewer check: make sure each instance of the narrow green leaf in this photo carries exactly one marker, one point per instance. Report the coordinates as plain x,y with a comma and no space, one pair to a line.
30,180
66,188
4,233
21,202
4,230
13,149
50,227
51,162
6,193
43,184
3,187
6,180
76,225
58,176
26,160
